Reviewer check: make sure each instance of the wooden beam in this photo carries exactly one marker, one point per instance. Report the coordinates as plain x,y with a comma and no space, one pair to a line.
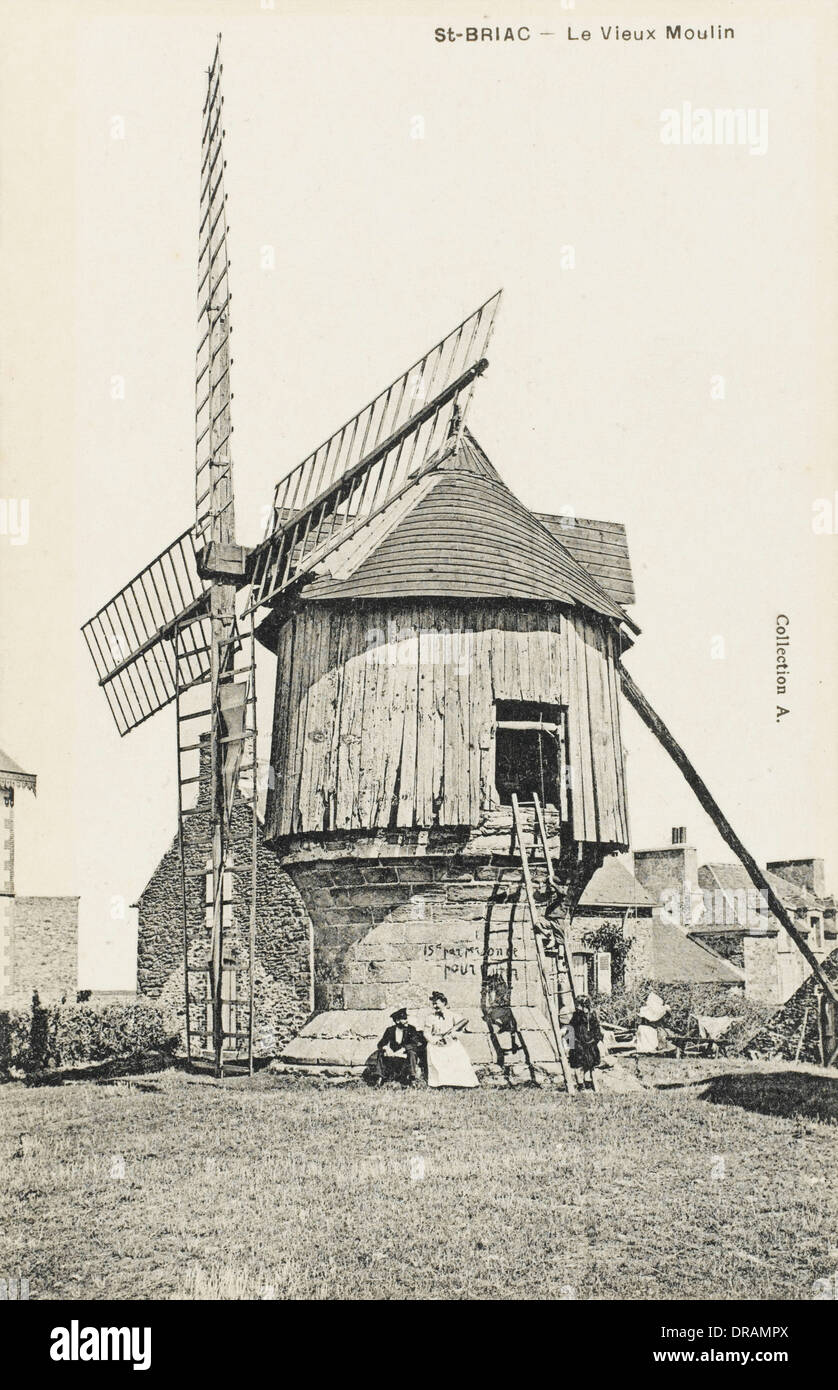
226,562
638,701
337,489
569,1078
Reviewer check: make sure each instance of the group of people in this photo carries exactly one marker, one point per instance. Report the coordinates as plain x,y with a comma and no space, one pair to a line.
584,1035
422,1048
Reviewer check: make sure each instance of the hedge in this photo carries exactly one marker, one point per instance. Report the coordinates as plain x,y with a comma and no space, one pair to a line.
47,1036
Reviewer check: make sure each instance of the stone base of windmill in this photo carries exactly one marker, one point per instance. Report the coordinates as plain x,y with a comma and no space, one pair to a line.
339,1043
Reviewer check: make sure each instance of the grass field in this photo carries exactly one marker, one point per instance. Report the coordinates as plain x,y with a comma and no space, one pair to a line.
171,1186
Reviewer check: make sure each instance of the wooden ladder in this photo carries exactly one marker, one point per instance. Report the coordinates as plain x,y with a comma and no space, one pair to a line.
218,1021
546,937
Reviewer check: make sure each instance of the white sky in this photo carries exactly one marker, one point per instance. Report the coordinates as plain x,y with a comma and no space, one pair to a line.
690,262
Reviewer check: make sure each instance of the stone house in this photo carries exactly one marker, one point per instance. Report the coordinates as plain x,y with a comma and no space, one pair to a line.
717,907
613,905
283,977
38,935
614,902
44,949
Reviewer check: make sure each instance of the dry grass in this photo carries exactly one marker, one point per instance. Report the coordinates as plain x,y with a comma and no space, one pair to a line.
249,1189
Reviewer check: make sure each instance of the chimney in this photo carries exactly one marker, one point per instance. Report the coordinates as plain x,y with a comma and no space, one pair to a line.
669,875
806,873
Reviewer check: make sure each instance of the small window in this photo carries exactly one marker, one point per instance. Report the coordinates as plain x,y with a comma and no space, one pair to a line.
816,923
527,751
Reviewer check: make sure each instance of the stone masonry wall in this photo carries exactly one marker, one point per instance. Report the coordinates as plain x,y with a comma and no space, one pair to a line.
46,932
761,974
282,970
640,961
7,944
7,890
399,914
667,871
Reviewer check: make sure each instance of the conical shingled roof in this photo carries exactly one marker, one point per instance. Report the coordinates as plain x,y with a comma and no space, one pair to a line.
467,536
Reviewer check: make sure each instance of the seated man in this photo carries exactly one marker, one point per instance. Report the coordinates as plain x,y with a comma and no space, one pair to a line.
400,1052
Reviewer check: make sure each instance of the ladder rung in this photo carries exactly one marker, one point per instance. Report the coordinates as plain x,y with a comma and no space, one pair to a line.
202,873
231,675
197,714
207,1032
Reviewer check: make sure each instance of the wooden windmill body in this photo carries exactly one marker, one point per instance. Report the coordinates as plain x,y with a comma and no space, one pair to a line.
447,699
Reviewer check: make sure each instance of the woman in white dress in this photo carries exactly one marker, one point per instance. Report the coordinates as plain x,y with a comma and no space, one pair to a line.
448,1061
651,1018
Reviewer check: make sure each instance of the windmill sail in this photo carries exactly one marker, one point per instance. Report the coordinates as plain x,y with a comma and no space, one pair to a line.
129,638
214,520
364,464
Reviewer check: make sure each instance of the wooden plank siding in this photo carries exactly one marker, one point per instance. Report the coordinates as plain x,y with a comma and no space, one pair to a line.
601,546
384,715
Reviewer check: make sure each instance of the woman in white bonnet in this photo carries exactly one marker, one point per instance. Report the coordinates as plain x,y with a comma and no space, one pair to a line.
651,1016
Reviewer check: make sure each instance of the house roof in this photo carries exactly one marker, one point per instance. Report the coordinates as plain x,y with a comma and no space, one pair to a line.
733,879
13,775
461,533
614,886
601,546
675,959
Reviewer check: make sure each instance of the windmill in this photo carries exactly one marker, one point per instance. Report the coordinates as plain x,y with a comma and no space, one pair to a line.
182,630
412,517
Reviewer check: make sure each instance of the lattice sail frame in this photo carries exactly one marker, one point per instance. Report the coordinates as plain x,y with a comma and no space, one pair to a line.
130,638
360,468
214,519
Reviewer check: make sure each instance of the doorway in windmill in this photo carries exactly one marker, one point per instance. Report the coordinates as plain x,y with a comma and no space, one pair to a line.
229,1008
230,1002
528,751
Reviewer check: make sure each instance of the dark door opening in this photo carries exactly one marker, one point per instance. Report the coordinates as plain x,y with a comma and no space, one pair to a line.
528,752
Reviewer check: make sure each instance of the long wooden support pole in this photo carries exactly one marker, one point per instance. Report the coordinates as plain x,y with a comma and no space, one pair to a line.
638,701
